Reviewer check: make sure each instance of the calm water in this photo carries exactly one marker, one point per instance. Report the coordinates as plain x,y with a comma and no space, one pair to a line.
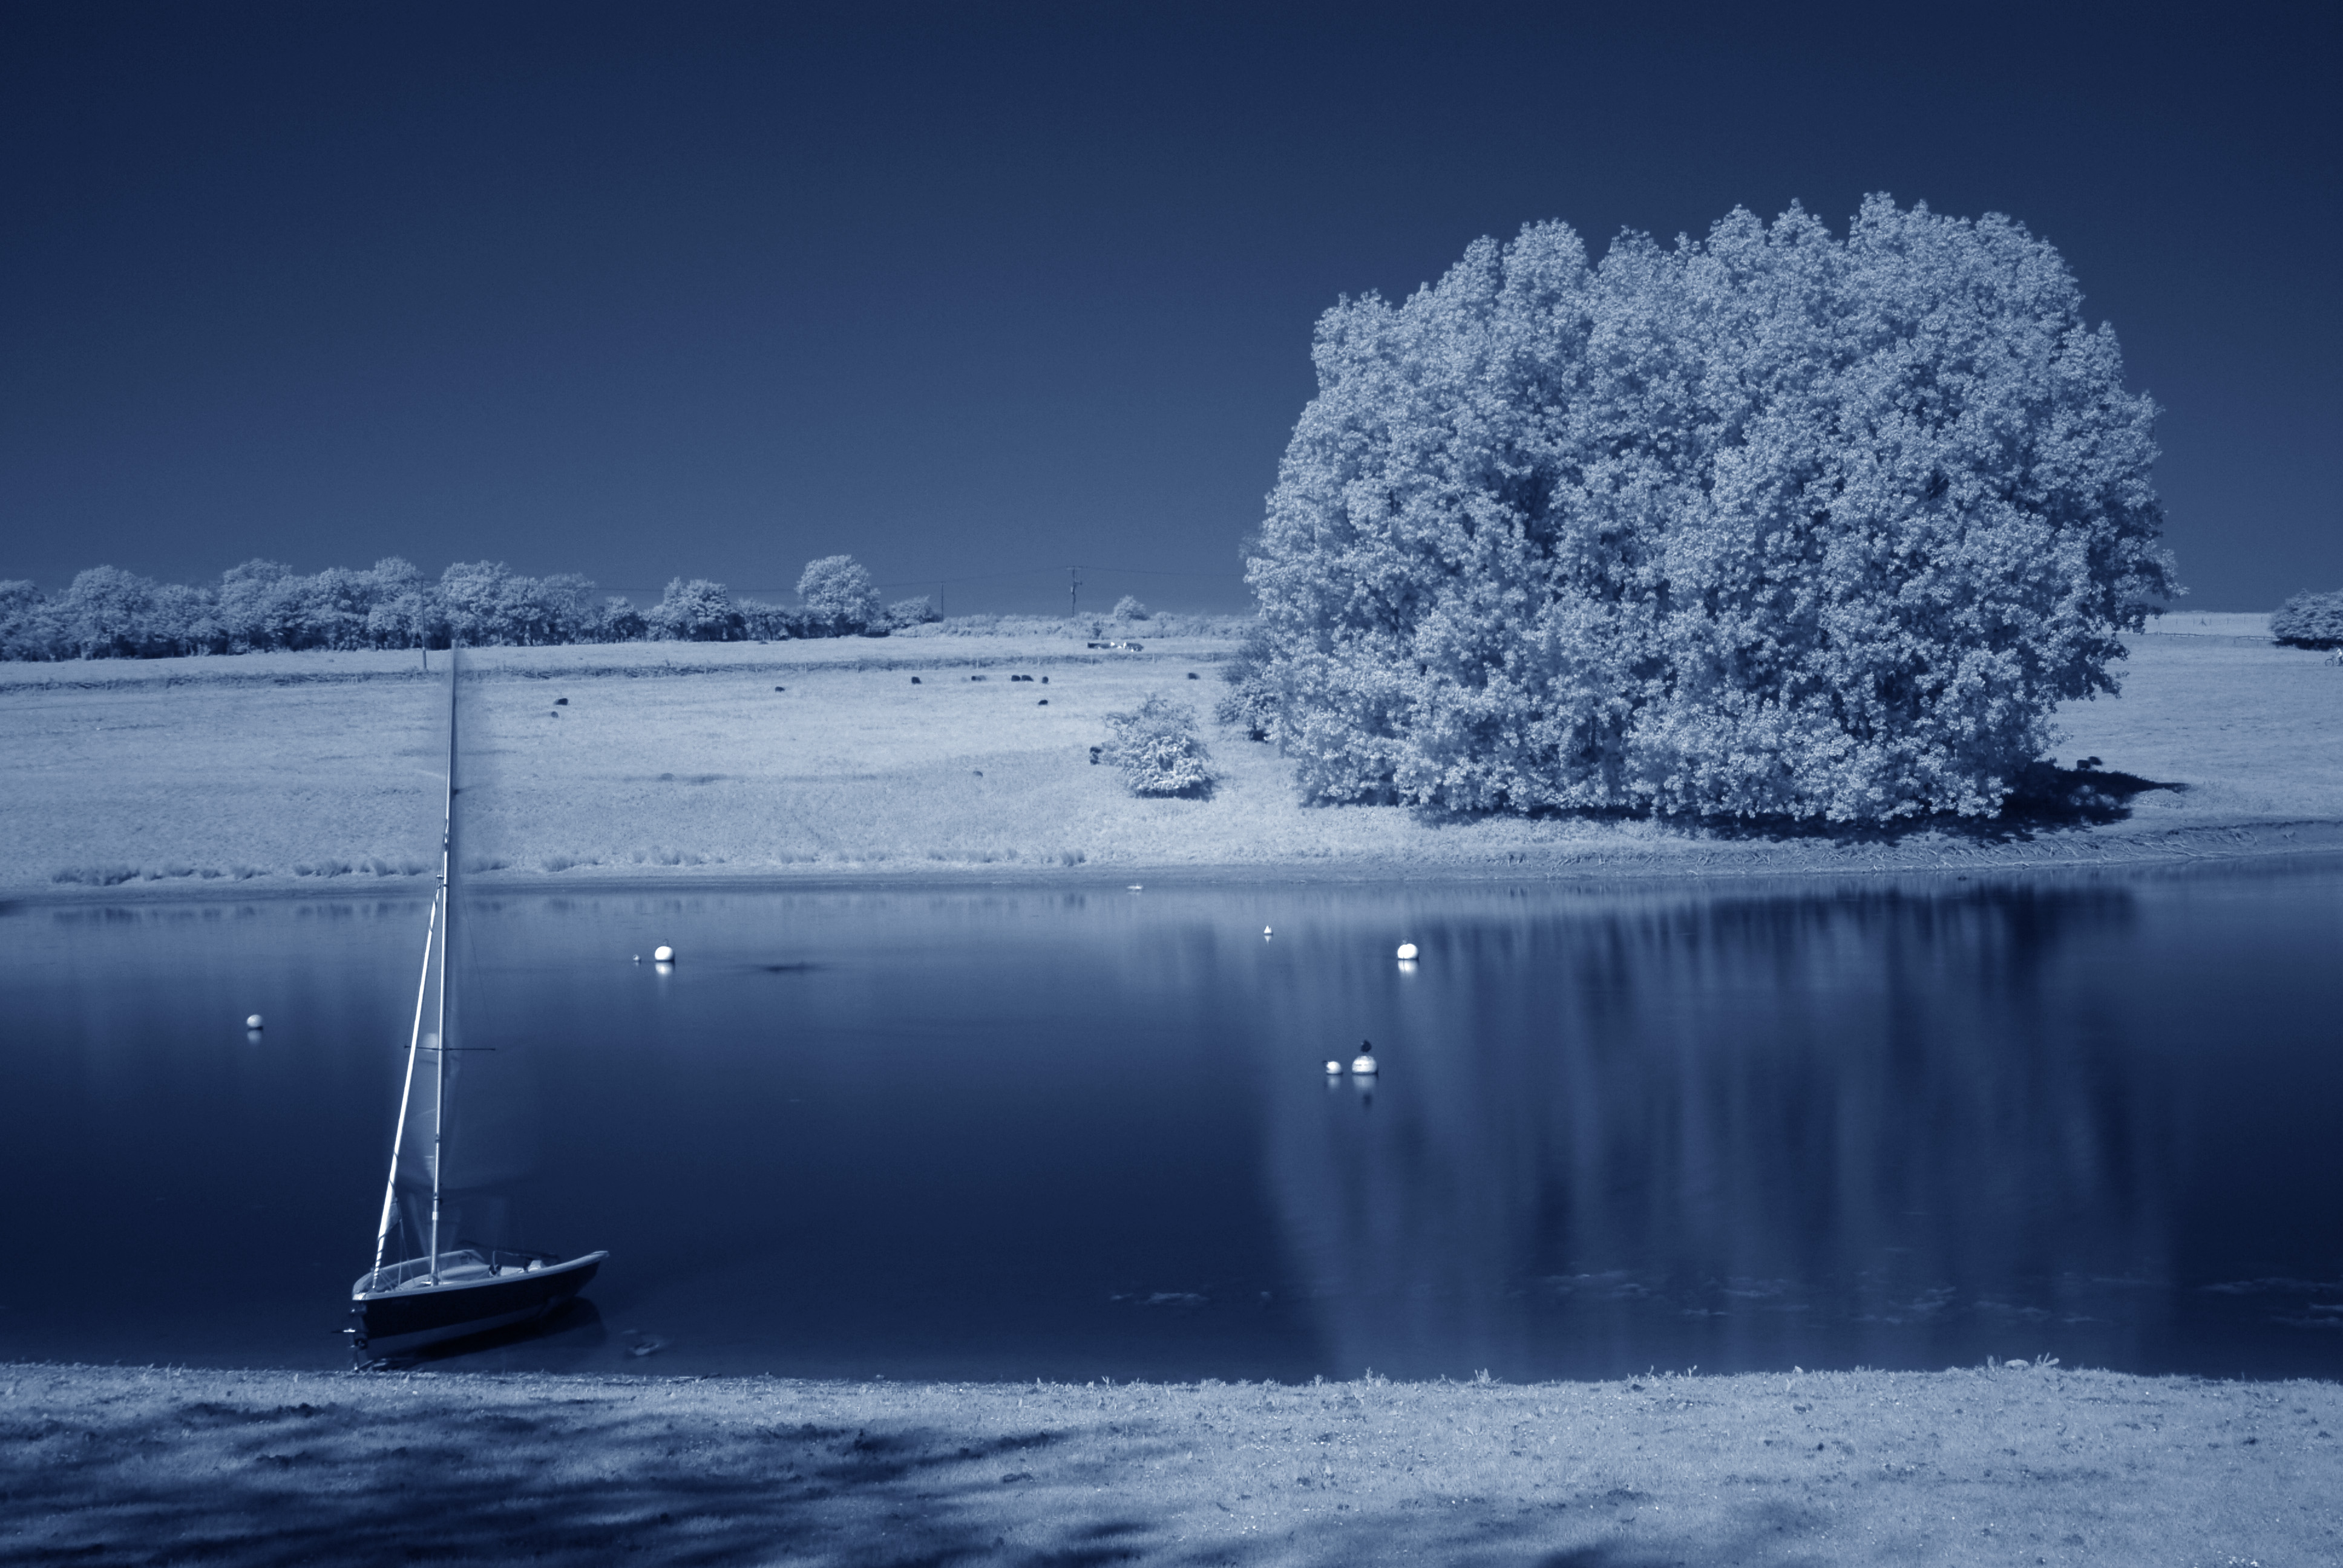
1009,1134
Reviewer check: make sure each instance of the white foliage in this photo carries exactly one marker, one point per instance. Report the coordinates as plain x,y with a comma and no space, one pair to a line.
1765,525
839,594
1158,749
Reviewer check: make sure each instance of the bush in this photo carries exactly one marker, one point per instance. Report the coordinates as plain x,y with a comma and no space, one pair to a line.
1768,524
1158,749
1250,700
908,612
2310,620
771,622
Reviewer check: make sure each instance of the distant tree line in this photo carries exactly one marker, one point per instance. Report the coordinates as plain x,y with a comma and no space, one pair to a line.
109,613
1770,525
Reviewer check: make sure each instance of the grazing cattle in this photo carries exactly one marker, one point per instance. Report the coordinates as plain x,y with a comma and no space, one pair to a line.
915,680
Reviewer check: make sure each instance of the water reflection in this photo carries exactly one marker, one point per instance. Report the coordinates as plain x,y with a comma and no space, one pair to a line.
1062,1133
1682,1132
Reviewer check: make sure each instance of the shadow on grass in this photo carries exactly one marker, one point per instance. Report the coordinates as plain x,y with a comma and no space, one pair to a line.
612,1476
2047,800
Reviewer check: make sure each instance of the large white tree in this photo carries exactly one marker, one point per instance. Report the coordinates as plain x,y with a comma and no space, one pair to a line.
1771,524
839,595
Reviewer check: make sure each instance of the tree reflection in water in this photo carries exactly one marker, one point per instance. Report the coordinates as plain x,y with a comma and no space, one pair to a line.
1882,1128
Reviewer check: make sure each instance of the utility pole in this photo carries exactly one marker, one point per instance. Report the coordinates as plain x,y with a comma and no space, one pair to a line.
1073,591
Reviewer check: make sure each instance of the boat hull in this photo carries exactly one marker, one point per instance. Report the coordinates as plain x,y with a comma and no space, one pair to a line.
392,1322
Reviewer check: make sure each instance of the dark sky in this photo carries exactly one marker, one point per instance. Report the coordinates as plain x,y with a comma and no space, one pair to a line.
978,290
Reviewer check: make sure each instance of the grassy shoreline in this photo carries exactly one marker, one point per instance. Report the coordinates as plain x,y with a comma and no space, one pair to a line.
2017,1465
806,764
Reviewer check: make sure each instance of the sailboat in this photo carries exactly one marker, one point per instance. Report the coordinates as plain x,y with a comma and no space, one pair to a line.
454,1291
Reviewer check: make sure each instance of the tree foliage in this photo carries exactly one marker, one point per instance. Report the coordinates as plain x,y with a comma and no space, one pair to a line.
1765,525
839,598
109,613
694,611
2306,620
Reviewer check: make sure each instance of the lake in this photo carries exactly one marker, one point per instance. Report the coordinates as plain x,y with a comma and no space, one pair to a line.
1077,1132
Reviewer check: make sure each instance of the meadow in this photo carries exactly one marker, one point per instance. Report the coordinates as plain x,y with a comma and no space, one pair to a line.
928,756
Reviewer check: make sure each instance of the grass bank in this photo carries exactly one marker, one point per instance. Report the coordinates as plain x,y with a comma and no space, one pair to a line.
2018,1465
926,757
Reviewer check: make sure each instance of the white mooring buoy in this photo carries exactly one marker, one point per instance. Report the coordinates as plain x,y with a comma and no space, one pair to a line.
662,955
1406,951
1364,1062
252,1022
1334,1068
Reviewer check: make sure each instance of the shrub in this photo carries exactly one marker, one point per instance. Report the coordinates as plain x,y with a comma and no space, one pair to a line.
1157,749
1765,525
2310,620
1250,700
771,622
906,612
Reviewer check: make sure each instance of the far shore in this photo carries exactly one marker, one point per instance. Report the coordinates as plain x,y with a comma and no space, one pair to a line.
1998,1463
803,765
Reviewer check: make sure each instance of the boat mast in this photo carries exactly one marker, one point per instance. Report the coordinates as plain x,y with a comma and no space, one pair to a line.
446,919
432,933
406,1095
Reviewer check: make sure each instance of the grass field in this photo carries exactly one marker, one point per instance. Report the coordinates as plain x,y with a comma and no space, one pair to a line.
667,760
1991,1465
